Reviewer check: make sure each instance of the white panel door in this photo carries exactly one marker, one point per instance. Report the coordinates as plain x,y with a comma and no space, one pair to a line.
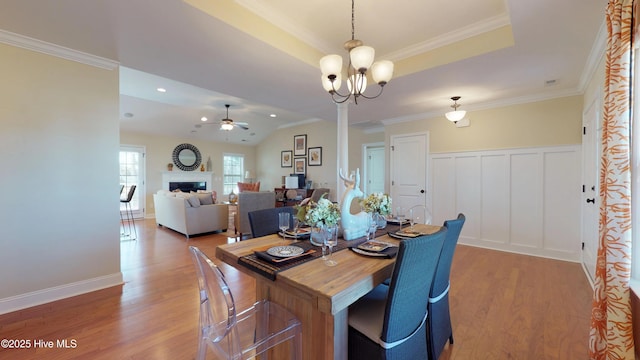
408,170
590,186
374,159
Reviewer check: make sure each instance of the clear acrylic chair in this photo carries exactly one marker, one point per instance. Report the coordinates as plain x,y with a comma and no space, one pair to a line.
240,335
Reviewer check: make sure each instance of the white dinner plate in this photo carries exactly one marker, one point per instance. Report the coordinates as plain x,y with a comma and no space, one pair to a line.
285,251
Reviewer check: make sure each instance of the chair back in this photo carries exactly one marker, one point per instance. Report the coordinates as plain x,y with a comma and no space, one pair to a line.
242,186
441,277
406,305
132,190
217,307
317,194
265,222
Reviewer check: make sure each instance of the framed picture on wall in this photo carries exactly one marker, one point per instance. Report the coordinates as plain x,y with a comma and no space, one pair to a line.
286,158
315,156
300,165
300,145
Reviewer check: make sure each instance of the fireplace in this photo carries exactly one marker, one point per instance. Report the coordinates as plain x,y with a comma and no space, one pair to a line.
187,180
187,186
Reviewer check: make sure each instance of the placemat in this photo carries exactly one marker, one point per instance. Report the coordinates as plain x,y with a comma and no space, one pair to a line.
269,269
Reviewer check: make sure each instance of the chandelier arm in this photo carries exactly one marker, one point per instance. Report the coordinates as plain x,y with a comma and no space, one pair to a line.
373,97
340,101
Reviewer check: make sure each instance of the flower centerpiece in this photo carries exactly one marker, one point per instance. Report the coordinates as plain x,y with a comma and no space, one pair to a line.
378,205
318,215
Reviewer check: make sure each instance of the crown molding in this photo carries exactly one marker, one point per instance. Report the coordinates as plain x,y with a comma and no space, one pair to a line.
452,37
44,47
550,95
597,53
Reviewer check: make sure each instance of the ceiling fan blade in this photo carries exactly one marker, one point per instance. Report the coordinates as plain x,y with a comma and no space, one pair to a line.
243,126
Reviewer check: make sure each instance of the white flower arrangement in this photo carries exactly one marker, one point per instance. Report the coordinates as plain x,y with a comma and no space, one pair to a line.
324,212
377,203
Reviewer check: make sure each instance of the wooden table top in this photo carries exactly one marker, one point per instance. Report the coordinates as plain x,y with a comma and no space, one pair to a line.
329,289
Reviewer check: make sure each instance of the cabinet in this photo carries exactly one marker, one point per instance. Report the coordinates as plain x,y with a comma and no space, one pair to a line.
283,200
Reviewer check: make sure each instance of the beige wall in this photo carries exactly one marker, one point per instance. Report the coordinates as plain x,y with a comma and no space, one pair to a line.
159,150
544,123
59,140
319,133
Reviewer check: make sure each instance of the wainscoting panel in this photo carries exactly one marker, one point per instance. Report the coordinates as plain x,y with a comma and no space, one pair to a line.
519,200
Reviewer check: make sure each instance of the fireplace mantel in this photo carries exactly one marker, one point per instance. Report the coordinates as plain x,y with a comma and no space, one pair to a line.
178,176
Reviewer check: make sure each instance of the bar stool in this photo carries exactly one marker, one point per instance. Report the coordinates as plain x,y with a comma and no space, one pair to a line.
129,214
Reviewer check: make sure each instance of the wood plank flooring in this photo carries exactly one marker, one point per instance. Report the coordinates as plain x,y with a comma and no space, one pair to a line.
504,306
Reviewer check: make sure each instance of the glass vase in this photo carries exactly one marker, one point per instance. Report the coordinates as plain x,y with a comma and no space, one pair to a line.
380,220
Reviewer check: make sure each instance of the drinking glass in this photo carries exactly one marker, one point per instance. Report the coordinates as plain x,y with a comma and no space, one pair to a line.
283,223
370,223
400,216
331,240
412,218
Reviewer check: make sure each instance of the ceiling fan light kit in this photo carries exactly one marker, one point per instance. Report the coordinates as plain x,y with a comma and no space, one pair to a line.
361,59
228,124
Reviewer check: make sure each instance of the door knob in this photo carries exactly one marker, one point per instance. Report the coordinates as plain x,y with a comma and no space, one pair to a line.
422,191
593,201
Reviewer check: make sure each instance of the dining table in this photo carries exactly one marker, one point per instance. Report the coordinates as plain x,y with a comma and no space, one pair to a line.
317,294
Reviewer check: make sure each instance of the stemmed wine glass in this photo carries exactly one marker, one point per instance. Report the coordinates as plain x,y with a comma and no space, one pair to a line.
331,240
372,227
283,223
400,216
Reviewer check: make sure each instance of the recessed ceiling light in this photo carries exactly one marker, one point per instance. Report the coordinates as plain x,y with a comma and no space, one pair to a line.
204,118
161,90
273,115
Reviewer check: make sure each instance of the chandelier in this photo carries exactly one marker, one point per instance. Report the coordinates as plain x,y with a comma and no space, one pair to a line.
455,115
360,61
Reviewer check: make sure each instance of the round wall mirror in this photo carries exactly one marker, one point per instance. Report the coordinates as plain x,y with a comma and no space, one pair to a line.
187,157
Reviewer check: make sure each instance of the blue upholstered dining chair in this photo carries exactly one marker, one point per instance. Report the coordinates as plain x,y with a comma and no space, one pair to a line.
439,328
390,321
234,334
265,222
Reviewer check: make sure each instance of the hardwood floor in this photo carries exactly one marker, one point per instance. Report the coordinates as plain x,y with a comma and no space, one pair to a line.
504,306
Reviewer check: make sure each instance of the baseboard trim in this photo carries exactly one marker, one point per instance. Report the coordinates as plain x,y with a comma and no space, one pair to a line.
549,254
39,297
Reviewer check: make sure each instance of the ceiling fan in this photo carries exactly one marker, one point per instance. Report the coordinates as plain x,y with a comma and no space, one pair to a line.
228,124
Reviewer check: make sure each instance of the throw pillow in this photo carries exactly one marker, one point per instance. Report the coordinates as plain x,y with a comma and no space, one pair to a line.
194,201
204,197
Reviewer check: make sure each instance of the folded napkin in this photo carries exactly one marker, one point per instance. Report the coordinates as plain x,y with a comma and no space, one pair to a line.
388,253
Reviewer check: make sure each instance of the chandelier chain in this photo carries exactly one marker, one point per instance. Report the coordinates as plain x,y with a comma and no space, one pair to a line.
353,20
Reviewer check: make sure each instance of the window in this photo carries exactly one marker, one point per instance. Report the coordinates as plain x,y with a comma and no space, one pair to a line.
132,173
233,168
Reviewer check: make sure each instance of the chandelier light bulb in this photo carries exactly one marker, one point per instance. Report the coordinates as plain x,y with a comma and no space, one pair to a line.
382,71
331,64
362,58
330,86
357,84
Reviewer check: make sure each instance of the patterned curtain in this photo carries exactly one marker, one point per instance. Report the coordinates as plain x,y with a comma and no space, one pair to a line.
611,335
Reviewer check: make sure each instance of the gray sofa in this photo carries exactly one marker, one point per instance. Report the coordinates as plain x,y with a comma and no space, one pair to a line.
189,214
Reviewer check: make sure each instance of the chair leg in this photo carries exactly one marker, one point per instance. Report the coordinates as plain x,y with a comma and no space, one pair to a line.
451,339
